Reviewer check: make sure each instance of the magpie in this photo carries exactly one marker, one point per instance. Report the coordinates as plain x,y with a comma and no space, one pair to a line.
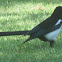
47,30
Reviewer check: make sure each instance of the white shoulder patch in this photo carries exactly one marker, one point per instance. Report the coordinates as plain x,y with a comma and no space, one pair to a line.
58,22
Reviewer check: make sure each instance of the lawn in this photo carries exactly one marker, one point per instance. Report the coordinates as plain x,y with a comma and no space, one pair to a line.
17,15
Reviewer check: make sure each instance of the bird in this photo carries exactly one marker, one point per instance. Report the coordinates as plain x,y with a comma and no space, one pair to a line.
47,30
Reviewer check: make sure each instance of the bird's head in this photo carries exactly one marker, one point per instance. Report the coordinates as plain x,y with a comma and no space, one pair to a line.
58,12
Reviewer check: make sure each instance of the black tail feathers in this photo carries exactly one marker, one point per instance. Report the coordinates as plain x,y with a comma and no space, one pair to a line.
16,33
27,40
13,33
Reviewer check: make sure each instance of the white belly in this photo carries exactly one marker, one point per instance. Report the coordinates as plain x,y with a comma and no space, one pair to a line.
52,35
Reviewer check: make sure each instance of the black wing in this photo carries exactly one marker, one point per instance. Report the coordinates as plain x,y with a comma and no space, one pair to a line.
43,26
42,29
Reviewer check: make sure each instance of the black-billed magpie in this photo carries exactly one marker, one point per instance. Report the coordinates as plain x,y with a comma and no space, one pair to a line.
47,30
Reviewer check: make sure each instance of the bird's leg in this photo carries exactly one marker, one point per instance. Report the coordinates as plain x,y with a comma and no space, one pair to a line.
51,43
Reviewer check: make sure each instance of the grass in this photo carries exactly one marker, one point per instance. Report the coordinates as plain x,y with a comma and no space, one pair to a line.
19,15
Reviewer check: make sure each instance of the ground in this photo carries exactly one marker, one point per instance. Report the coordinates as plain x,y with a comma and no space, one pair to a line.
17,15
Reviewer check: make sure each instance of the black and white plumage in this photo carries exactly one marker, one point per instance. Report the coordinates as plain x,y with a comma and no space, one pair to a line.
52,35
47,30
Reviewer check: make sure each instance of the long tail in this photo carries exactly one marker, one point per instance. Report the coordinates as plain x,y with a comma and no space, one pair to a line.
27,40
13,33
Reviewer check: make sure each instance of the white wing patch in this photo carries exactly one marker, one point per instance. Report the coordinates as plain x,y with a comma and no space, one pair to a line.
58,22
